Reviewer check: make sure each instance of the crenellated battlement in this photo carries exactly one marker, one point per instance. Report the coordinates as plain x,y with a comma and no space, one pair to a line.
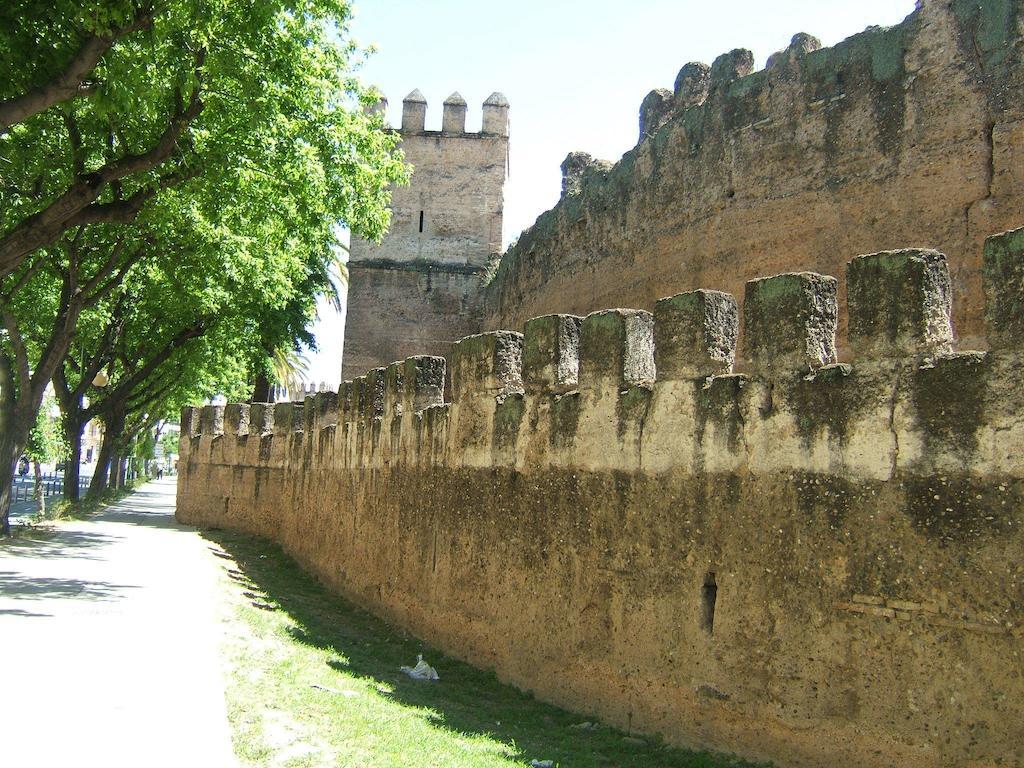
899,315
900,335
453,118
894,136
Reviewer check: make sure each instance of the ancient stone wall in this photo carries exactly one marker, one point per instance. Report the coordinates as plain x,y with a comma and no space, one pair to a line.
419,289
908,135
815,563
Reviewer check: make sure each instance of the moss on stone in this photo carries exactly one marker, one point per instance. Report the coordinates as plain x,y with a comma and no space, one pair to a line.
718,400
829,401
949,400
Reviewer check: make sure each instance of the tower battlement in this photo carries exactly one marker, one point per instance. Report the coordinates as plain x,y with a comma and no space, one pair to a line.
419,288
453,118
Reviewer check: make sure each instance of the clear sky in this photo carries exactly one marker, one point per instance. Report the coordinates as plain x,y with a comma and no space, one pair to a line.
574,72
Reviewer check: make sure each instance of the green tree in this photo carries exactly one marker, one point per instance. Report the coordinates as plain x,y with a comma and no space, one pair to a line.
172,133
45,444
169,441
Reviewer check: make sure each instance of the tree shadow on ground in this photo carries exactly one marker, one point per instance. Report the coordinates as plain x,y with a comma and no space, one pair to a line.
466,700
132,516
43,542
16,586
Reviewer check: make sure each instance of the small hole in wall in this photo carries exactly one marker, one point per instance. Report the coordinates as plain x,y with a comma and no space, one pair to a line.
709,596
421,221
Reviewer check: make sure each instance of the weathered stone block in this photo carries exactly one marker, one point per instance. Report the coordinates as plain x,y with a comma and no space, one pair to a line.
212,420
692,82
617,345
495,115
789,322
731,66
655,110
354,402
414,112
1003,274
344,395
298,417
424,382
899,304
285,417
394,389
453,115
371,395
326,405
551,353
236,419
309,413
799,47
261,418
488,364
576,167
190,421
695,335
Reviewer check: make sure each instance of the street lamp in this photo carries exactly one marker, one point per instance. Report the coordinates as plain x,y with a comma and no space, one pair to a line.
101,379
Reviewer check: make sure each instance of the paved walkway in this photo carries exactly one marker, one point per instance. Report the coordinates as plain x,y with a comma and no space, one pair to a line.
109,634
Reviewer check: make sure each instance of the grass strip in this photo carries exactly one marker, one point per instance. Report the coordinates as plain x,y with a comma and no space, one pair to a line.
314,681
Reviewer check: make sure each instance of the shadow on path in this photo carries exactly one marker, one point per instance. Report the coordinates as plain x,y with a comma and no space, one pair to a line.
46,542
18,587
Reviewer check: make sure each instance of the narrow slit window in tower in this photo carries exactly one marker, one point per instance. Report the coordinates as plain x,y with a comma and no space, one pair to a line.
709,595
421,221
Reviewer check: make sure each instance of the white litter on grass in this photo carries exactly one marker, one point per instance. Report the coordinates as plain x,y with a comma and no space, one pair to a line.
422,670
542,763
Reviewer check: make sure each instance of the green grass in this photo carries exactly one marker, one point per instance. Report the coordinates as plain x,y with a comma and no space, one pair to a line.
314,681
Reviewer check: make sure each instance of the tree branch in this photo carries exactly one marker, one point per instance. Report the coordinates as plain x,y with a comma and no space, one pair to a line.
75,141
63,213
125,389
104,290
18,345
70,83
23,279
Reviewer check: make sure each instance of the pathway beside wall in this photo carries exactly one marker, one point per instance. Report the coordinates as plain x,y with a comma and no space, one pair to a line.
110,635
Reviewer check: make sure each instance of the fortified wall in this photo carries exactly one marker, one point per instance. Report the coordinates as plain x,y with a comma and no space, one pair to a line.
813,562
912,134
420,289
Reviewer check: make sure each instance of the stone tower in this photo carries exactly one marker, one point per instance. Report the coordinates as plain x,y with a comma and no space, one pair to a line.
419,290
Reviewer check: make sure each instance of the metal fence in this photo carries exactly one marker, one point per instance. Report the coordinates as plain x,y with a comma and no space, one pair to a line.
52,485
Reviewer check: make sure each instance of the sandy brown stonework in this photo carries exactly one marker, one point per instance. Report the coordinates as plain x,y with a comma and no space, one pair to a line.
813,563
911,135
420,288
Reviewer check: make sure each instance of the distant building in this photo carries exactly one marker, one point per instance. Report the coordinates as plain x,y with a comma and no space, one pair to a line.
92,437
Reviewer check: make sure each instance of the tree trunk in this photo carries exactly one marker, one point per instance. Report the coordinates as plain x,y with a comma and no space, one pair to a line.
8,465
38,487
121,470
12,443
103,463
261,390
72,470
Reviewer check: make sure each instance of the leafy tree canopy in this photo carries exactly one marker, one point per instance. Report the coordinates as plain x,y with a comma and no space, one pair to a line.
174,164
257,97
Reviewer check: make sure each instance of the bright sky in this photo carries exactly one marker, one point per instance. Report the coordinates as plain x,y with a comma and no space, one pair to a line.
574,72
